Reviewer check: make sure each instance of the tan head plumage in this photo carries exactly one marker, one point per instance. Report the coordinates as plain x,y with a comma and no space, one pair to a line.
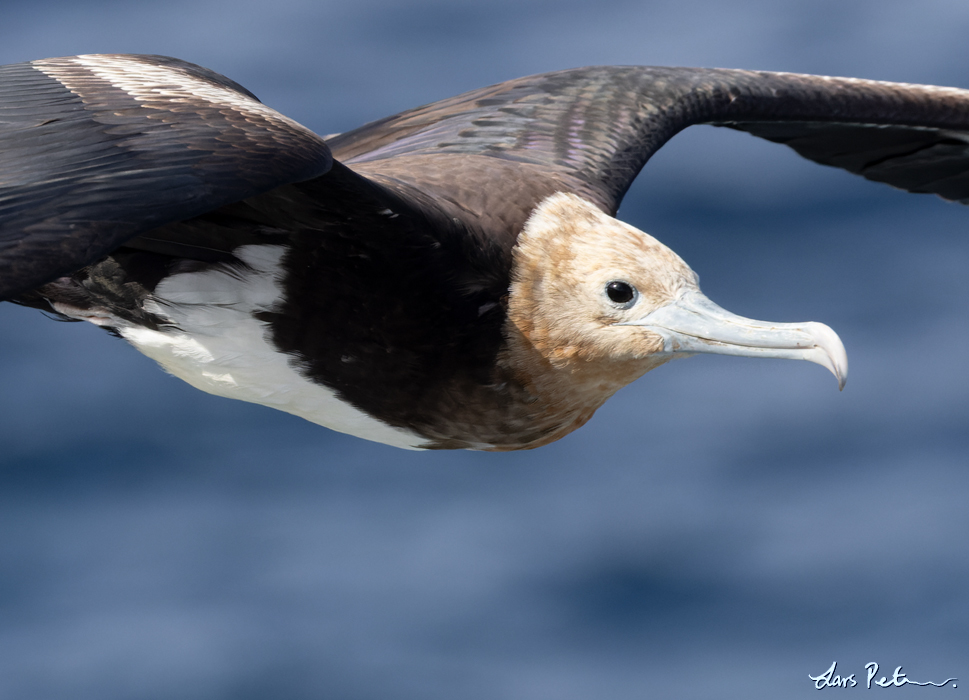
566,257
595,303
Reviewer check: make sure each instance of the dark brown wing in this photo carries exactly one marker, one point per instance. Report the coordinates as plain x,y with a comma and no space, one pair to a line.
592,129
97,149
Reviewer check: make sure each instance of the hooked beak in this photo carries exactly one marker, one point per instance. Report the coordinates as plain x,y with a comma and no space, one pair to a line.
694,324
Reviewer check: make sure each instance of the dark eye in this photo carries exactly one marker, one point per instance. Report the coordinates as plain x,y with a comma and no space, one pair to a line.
621,293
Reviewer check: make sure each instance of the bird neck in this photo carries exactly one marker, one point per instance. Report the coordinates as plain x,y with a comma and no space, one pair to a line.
557,388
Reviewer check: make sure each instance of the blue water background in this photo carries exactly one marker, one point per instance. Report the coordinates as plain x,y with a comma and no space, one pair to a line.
722,528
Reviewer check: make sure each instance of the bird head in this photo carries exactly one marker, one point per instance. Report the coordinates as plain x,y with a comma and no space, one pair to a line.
603,302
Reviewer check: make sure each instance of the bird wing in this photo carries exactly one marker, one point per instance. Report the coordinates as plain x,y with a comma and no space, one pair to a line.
593,129
97,149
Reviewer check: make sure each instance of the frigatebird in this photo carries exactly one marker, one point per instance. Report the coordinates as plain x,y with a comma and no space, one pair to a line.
452,276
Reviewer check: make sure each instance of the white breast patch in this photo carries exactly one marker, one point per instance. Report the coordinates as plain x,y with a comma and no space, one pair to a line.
216,345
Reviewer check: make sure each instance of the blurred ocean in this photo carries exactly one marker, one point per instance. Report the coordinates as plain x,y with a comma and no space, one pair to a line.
723,528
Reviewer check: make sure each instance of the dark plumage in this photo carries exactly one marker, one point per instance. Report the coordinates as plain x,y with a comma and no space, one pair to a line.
439,278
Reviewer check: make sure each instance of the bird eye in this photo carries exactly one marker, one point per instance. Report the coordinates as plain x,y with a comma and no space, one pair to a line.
622,293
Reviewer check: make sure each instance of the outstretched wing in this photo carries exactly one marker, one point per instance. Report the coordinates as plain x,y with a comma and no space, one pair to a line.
97,149
593,129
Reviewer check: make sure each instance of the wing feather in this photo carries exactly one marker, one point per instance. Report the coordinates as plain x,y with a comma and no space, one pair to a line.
593,129
97,149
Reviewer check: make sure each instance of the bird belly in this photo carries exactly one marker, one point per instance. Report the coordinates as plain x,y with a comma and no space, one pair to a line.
212,339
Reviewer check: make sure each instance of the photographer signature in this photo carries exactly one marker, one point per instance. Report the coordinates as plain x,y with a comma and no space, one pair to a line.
830,679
